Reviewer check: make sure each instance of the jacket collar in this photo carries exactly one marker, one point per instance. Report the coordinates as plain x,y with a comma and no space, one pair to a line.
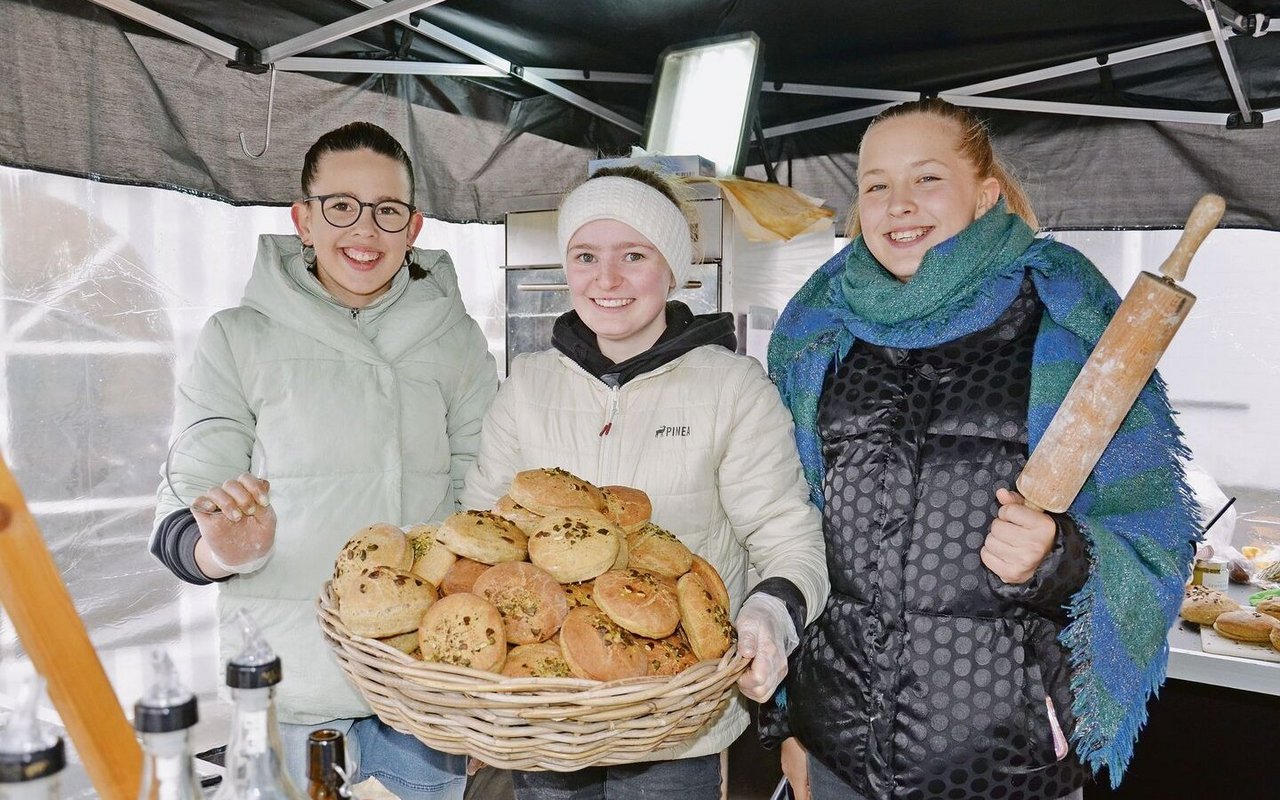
684,332
412,311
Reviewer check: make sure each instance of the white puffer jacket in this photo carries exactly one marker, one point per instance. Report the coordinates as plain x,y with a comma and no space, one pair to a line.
705,435
363,417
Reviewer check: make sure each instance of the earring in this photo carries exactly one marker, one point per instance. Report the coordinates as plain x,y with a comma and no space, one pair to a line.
308,255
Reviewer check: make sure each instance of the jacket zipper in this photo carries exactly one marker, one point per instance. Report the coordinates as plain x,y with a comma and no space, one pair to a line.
613,411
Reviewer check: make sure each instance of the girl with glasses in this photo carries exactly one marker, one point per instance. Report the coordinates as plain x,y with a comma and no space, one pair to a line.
353,365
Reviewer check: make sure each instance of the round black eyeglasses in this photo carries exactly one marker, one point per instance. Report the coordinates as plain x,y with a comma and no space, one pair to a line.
342,211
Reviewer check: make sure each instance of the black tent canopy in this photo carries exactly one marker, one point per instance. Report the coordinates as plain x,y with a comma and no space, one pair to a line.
1116,115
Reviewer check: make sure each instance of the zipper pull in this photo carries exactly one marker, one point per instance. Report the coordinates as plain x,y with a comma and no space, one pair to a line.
355,313
613,410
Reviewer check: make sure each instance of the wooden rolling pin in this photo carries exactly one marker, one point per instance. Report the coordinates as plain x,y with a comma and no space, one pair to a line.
53,635
1117,369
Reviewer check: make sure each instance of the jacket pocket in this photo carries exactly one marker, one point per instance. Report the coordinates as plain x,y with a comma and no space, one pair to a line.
1045,733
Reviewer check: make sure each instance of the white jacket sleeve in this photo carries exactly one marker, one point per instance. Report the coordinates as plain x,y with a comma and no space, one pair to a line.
499,457
764,493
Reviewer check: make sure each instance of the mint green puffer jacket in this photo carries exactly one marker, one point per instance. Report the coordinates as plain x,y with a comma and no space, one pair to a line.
364,416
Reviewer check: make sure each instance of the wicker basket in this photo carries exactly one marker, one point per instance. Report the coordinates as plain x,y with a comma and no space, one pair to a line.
557,724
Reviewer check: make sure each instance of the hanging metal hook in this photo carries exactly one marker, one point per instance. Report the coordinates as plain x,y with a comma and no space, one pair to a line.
266,142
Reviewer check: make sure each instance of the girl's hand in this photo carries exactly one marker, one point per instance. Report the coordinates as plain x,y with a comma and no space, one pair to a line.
237,526
795,767
1019,540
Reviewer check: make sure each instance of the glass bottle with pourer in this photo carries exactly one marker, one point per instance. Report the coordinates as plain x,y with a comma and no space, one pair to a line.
255,761
164,718
31,756
326,765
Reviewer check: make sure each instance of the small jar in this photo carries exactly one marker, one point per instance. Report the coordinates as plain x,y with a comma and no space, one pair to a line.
1211,573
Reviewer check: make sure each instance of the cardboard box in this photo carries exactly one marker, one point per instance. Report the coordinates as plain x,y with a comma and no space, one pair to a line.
680,166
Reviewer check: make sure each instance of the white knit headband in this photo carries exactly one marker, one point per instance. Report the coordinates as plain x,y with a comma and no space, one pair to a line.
633,203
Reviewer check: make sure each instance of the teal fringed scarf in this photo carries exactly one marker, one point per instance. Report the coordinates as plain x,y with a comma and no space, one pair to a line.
1135,511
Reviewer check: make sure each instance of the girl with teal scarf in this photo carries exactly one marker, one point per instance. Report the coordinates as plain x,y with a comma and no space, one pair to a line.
972,646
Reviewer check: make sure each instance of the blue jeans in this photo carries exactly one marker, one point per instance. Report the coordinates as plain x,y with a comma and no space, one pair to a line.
686,779
406,766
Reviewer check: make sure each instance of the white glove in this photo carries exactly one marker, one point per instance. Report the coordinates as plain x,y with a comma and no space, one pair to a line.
241,569
767,636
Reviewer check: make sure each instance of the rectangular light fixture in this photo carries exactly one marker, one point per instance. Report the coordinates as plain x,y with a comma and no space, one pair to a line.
704,100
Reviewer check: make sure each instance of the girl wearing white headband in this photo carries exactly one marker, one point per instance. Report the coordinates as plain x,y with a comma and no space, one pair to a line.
638,391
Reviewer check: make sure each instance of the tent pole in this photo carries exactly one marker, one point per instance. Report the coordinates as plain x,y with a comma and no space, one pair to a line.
1248,117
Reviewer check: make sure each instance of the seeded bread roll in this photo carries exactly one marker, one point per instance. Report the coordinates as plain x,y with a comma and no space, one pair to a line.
1245,625
623,559
1275,637
641,602
658,550
628,507
524,519
384,601
431,560
703,569
465,630
579,594
596,648
541,660
704,620
669,656
531,602
483,536
1270,607
406,643
550,490
574,547
379,545
462,576
1202,606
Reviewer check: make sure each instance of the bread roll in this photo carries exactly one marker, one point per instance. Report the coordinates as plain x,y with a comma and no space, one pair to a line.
641,602
550,490
579,594
1270,607
406,643
379,545
465,630
595,648
462,576
431,560
658,550
1202,605
541,660
1245,625
628,507
384,601
524,519
483,536
531,602
711,579
574,547
704,620
669,656
1275,637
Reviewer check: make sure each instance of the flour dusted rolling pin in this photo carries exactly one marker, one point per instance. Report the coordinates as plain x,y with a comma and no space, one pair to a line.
1115,372
37,601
